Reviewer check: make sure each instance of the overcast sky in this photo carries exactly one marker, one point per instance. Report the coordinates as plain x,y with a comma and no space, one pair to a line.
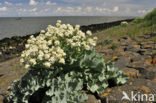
17,8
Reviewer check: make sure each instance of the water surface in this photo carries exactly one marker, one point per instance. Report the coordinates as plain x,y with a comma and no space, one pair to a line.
16,26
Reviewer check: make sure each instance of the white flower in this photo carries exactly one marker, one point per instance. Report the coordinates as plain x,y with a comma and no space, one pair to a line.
57,42
52,45
78,44
62,61
47,56
54,52
47,64
49,42
59,21
44,47
31,36
40,57
42,31
46,51
29,41
27,46
64,26
21,60
87,47
95,38
27,66
73,44
47,34
52,59
41,53
32,61
89,32
61,34
77,27
69,41
64,54
23,54
82,34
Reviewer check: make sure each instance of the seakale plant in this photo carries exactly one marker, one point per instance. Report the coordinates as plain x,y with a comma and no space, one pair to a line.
62,62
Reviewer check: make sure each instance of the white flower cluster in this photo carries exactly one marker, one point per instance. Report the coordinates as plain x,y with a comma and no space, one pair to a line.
124,23
52,46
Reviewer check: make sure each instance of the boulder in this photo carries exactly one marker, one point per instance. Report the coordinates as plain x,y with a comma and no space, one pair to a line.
136,86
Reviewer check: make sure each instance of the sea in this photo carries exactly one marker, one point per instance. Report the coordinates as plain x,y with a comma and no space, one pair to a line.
21,26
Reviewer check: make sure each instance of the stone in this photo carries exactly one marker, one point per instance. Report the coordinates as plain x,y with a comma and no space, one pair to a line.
1,98
148,46
131,72
92,99
142,86
146,73
122,62
154,60
132,47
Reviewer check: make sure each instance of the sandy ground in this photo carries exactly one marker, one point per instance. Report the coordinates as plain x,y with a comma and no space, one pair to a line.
9,71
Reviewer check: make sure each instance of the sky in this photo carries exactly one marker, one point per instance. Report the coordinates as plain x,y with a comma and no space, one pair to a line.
24,8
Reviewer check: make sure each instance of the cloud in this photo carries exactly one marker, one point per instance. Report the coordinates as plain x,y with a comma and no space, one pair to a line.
116,9
3,9
76,7
50,3
33,10
89,9
18,4
8,3
28,10
104,10
142,11
0,4
33,2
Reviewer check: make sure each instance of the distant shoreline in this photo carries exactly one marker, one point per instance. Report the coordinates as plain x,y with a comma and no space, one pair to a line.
97,27
12,47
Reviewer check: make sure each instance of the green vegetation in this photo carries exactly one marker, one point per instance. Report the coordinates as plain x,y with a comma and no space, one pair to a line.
140,26
138,19
151,17
113,46
64,85
105,42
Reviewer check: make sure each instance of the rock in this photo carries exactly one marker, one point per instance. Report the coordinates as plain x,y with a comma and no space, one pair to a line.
125,41
132,54
146,73
107,53
92,99
132,47
122,62
148,46
141,86
154,60
1,98
141,61
131,72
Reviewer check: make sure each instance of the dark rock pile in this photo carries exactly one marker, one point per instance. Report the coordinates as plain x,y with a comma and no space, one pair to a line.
102,26
12,47
137,58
